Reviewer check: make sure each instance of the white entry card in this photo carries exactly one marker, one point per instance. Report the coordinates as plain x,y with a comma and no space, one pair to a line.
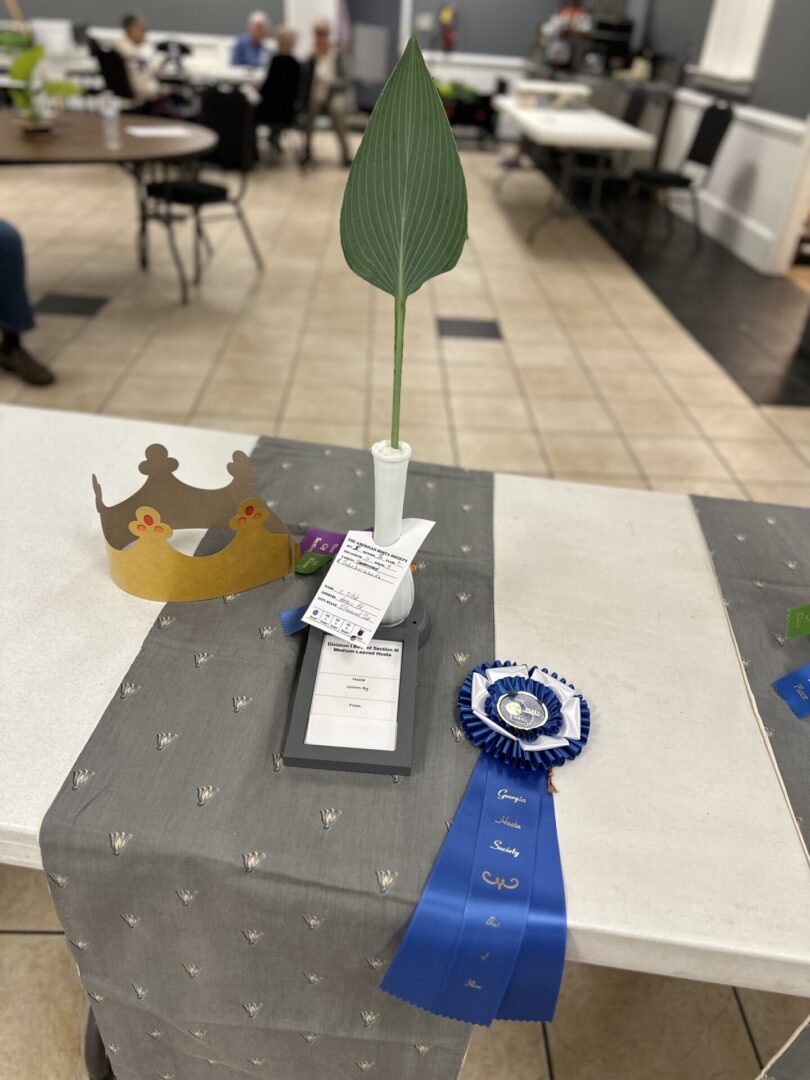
361,583
356,694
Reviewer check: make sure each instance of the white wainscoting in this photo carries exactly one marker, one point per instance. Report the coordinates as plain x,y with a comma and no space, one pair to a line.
759,188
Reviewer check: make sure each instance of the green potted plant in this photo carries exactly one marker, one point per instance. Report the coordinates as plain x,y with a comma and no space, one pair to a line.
403,221
33,96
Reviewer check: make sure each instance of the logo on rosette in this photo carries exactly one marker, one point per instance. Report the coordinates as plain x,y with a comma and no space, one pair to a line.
528,718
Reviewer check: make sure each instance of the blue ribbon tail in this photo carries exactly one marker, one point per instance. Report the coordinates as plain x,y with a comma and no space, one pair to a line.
487,939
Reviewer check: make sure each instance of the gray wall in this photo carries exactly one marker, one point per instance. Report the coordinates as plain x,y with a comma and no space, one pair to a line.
500,27
783,79
194,16
677,27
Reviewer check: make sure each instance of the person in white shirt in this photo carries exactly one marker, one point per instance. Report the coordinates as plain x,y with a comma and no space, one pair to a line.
146,87
324,89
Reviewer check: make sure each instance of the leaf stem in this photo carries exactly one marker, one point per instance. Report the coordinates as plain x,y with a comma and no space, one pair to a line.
399,338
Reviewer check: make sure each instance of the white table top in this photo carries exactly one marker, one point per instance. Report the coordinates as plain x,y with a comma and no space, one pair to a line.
573,129
673,863
553,88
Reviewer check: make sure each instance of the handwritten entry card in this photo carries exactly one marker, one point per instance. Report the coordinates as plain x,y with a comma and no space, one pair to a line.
361,583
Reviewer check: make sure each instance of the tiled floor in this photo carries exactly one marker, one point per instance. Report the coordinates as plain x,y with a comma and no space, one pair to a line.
595,381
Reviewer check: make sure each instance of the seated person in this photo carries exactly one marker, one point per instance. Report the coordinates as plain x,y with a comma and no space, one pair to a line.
16,315
249,49
324,85
279,103
146,87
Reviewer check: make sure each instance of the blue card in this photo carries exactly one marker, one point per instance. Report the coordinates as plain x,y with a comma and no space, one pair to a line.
795,689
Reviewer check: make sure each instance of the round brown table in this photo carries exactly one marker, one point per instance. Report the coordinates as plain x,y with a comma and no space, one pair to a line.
76,139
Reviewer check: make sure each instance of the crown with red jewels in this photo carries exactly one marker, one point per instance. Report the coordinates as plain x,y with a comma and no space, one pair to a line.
138,531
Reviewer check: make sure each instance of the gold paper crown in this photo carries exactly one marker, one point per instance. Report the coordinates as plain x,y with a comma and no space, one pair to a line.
137,531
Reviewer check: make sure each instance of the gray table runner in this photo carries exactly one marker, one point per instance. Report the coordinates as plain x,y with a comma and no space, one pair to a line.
222,926
761,556
794,1062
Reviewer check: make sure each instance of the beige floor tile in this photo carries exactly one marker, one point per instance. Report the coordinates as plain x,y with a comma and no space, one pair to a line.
431,410
793,420
567,382
237,367
620,1025
328,346
43,1010
501,452
602,480
157,363
170,394
134,412
601,455
528,334
773,1018
10,387
716,389
338,371
684,485
586,415
541,354
416,378
88,356
481,412
261,342
732,421
465,380
674,456
506,1050
84,391
626,360
432,444
630,385
475,351
241,399
652,418
325,403
335,434
25,902
781,494
766,459
250,425
690,361
607,337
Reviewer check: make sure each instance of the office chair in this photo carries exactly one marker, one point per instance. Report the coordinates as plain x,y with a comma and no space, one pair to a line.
227,111
711,131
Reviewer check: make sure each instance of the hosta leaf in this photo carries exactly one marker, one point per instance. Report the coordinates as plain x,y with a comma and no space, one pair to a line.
404,214
23,67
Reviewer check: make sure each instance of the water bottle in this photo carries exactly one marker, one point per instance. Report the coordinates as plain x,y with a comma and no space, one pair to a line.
110,125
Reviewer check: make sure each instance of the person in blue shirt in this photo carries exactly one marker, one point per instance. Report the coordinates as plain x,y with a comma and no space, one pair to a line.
249,49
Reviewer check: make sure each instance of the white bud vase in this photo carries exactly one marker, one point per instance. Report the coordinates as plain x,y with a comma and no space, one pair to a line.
390,474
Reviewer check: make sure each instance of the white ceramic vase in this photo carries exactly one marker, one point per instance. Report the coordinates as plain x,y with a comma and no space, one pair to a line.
390,474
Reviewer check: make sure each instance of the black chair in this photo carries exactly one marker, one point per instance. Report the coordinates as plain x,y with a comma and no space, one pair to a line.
228,112
711,131
280,105
113,69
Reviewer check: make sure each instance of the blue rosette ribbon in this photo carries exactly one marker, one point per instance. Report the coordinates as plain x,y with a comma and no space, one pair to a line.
487,939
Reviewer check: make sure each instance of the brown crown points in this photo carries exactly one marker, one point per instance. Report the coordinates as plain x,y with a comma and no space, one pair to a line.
181,505
137,531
